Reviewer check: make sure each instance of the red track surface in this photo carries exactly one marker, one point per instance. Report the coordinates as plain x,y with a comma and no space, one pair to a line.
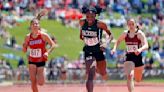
81,88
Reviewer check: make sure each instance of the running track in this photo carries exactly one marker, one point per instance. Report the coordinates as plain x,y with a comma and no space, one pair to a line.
81,88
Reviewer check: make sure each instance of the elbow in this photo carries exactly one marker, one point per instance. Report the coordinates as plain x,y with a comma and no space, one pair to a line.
81,37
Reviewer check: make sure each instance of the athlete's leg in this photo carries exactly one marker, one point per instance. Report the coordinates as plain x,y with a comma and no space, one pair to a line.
138,73
90,71
101,69
129,71
40,75
33,73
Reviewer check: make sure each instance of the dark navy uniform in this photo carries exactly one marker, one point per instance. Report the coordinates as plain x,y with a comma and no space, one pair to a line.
92,38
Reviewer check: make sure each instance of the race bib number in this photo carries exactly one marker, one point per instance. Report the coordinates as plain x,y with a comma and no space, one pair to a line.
35,53
91,41
132,48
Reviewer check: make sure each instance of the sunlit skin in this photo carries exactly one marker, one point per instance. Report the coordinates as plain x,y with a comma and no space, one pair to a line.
35,26
131,25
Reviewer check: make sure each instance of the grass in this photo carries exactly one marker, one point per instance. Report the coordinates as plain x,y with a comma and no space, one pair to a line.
68,39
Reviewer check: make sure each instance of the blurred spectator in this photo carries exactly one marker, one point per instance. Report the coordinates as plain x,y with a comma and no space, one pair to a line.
149,62
53,71
21,62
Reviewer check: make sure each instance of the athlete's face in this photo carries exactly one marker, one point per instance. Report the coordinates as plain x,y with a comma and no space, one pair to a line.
131,24
35,25
90,17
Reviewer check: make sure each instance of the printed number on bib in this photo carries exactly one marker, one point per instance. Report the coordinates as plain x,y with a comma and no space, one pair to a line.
132,48
91,41
35,53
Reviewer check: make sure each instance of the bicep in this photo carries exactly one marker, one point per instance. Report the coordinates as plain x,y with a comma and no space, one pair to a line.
121,37
26,40
105,28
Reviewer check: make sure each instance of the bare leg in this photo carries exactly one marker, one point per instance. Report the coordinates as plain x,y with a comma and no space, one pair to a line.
129,71
91,68
138,73
33,73
40,76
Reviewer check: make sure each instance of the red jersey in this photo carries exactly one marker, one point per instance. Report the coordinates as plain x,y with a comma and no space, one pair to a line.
132,44
37,49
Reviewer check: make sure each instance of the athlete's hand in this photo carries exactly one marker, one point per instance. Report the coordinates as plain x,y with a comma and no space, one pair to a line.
137,52
45,55
103,46
113,51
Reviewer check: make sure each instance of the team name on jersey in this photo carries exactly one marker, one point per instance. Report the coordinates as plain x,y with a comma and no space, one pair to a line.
135,43
89,33
33,42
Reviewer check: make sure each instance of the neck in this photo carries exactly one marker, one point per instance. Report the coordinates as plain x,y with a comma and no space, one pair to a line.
132,30
90,24
35,34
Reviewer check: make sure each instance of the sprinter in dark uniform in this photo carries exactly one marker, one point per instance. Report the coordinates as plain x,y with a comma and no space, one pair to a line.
91,34
136,43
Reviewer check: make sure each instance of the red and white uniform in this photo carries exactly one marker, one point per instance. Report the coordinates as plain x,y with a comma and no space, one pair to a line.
132,44
37,47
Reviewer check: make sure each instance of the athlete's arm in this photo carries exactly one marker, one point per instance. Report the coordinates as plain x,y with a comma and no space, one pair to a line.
81,22
47,38
120,39
105,28
144,42
25,44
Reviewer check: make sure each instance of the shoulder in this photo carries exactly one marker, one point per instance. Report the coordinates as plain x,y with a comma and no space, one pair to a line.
43,34
28,35
125,32
101,24
140,33
81,22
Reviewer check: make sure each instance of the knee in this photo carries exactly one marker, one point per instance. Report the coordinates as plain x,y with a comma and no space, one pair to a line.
103,73
130,76
40,83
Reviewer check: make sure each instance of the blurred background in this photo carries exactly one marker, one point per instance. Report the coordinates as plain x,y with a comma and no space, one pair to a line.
66,62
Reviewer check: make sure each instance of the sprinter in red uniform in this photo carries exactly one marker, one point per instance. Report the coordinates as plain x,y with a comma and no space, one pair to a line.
35,44
136,43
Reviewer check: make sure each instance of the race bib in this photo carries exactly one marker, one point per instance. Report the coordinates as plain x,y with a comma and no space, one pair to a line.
91,41
132,48
35,53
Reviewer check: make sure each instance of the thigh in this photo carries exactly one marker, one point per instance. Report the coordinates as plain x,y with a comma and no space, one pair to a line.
32,71
101,67
40,74
89,61
129,68
138,73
